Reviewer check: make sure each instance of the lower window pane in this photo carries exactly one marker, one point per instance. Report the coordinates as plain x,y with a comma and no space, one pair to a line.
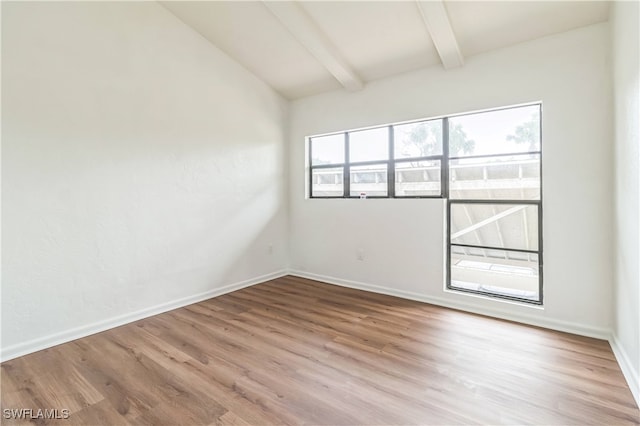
497,272
369,180
515,177
418,178
327,182
513,226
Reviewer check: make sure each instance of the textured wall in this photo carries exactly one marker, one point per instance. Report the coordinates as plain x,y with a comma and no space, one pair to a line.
140,166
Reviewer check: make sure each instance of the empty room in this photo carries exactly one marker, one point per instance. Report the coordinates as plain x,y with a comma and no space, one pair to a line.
320,212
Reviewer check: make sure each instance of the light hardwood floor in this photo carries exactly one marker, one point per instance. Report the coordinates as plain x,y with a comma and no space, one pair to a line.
295,351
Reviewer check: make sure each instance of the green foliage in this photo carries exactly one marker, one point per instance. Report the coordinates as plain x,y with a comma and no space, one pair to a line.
528,132
428,140
459,143
425,140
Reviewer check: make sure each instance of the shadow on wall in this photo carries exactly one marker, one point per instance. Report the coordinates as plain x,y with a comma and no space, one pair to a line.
265,253
109,245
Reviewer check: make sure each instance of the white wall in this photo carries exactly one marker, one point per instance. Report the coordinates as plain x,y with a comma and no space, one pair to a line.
625,19
403,239
142,169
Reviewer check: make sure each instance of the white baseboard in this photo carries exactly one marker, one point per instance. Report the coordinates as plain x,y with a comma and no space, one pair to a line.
628,370
45,342
558,325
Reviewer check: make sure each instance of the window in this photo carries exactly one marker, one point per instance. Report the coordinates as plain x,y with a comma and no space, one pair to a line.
488,167
494,208
398,161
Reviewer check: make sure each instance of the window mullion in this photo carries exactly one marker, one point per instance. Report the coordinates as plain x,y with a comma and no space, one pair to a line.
310,168
391,167
346,180
444,177
444,187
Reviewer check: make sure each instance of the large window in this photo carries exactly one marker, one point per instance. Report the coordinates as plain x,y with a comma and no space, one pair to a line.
488,167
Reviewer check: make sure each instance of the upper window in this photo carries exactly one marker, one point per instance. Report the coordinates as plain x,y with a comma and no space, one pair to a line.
505,131
328,150
368,145
420,139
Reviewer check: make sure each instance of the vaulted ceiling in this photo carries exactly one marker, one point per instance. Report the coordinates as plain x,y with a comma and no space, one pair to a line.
302,48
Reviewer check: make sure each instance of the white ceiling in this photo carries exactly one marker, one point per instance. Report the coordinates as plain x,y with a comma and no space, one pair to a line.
309,47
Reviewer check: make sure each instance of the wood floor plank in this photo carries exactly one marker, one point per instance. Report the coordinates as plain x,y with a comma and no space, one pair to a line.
296,351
